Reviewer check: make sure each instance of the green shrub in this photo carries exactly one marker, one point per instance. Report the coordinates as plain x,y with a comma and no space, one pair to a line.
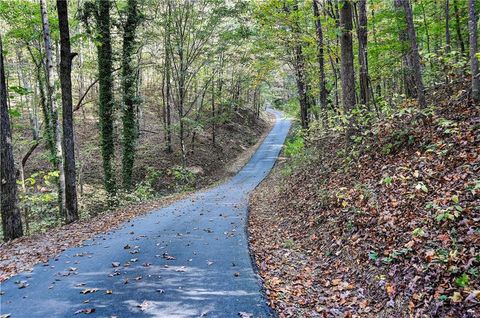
294,146
185,179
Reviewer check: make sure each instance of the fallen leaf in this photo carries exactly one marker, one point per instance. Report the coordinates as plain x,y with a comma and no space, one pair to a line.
89,290
85,311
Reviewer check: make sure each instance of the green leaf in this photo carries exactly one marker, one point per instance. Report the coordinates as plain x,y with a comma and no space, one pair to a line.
418,232
463,280
372,255
455,199
14,112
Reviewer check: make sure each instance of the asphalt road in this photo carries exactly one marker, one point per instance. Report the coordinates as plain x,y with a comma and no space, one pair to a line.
189,259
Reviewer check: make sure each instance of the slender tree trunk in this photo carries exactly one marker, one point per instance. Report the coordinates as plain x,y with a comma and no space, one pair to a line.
11,218
71,211
213,110
106,100
300,72
447,25
301,85
321,62
55,122
363,52
472,26
415,56
47,133
129,94
458,29
347,67
168,81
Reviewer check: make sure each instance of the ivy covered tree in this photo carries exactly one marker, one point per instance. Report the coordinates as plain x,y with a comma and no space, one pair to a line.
130,99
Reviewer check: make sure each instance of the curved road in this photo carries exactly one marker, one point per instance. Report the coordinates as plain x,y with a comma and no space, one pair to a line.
189,259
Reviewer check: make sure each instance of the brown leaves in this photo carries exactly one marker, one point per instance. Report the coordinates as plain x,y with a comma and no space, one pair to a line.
85,311
144,305
168,257
89,290
22,284
21,254
370,226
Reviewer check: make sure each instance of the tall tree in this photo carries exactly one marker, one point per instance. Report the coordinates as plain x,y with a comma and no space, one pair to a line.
11,218
193,23
363,52
447,25
167,87
347,67
407,68
472,27
106,101
129,92
66,55
52,104
303,88
415,55
458,25
321,60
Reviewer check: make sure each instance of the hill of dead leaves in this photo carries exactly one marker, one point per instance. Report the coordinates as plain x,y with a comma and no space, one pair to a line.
391,229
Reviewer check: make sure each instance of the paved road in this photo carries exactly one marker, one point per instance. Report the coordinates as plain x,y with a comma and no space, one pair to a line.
189,259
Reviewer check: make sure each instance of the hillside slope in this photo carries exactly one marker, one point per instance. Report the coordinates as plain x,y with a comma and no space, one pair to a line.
389,228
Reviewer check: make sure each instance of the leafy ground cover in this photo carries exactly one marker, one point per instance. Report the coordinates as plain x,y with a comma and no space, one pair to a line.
386,227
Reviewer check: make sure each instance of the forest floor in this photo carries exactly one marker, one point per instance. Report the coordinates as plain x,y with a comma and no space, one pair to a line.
392,230
236,143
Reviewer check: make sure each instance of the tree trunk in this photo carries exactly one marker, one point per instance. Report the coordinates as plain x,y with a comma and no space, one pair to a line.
458,27
362,51
321,62
213,110
347,67
415,56
300,71
301,85
447,26
71,210
106,100
129,94
47,134
52,105
168,81
11,218
472,27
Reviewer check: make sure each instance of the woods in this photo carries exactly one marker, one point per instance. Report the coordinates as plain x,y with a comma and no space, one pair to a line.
112,109
349,62
115,76
371,211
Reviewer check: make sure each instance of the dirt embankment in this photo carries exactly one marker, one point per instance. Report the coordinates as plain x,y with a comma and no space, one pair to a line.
390,230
